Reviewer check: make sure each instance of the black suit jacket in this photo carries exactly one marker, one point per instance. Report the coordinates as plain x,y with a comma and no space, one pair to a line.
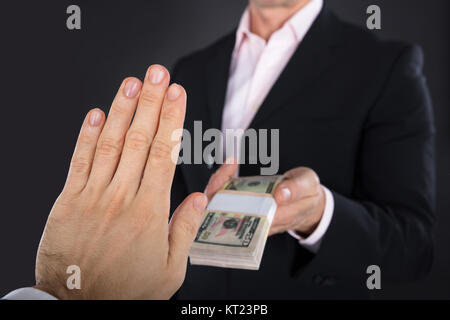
357,111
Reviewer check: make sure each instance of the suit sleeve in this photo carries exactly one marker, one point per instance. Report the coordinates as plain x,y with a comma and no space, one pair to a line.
389,217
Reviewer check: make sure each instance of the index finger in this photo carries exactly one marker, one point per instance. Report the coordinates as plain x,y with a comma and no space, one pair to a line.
299,183
222,175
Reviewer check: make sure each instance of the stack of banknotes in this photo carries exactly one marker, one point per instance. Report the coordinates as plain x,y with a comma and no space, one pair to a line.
236,223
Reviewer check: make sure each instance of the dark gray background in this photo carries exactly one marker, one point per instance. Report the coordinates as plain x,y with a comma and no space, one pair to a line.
50,77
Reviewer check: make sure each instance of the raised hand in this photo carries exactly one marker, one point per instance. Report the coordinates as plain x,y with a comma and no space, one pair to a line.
112,217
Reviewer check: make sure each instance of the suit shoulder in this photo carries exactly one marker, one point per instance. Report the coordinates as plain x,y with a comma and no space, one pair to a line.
368,44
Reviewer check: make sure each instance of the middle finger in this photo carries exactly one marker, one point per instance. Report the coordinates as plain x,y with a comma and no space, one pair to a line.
142,131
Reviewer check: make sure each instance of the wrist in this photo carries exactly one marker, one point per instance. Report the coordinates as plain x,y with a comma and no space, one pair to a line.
309,225
305,231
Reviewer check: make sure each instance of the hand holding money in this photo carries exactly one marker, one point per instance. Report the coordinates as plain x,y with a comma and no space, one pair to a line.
301,202
111,221
236,223
300,198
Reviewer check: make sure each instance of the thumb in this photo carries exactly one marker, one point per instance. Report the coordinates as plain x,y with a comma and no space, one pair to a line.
222,175
300,183
184,226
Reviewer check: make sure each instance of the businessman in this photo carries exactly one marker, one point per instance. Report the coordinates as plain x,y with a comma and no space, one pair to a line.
111,219
356,145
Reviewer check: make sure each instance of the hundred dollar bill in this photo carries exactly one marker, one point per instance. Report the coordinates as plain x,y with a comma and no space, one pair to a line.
255,185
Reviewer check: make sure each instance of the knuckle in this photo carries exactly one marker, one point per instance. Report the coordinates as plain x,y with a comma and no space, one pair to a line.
306,179
160,150
311,180
315,178
311,175
109,147
138,140
171,114
79,165
303,186
296,172
86,140
188,228
307,171
150,97
116,202
119,109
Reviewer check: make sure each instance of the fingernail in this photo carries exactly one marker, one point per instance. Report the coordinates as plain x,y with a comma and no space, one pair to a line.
200,203
174,92
285,194
156,75
132,88
95,118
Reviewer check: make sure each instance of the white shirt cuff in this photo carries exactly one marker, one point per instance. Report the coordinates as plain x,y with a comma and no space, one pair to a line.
28,294
312,243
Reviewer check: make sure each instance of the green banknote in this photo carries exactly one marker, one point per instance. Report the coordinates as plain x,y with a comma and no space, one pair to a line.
256,184
228,229
235,226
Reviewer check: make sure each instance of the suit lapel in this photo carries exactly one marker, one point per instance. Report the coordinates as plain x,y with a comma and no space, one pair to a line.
217,73
313,57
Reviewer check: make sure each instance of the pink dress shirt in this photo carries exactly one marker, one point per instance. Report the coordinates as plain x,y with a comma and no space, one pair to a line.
255,67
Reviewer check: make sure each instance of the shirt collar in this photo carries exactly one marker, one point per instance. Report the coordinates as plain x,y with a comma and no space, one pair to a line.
243,29
298,24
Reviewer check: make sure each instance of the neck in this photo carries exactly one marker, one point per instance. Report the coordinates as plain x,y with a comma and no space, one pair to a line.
265,20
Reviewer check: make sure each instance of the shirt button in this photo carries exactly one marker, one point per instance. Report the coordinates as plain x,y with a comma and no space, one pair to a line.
324,280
